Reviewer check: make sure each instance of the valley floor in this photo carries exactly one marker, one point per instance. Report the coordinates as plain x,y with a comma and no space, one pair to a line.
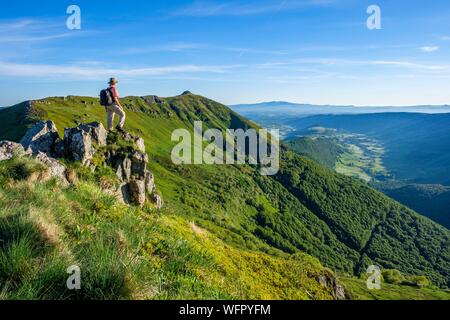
359,291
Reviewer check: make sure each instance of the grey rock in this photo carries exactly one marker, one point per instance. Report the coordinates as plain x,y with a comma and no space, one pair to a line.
137,192
58,149
140,144
40,138
97,131
157,200
79,142
119,173
322,280
330,282
149,182
55,168
123,193
8,149
78,145
123,169
139,162
339,292
153,99
138,141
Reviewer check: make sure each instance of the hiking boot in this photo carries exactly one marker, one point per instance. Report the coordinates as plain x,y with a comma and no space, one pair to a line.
119,129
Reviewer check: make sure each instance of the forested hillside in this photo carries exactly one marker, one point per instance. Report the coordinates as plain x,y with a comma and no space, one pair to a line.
324,151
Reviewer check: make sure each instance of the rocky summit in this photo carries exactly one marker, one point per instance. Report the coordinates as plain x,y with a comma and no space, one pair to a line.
92,146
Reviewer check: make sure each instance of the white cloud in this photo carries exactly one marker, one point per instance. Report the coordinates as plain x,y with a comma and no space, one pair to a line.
9,39
10,25
84,72
333,62
177,47
429,49
169,47
32,30
412,65
445,38
236,8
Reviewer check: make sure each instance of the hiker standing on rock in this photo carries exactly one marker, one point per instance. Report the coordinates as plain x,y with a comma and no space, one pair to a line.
110,99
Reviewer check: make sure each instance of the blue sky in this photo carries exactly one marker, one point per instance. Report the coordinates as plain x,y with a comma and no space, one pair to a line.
305,51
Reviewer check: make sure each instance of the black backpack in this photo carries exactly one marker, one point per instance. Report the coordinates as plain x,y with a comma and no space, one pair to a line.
106,97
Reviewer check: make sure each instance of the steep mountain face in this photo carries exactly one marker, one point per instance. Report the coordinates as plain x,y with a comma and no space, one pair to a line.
325,151
304,208
432,201
429,200
378,229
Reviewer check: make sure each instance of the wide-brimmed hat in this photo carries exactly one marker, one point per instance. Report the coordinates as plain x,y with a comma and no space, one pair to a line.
113,81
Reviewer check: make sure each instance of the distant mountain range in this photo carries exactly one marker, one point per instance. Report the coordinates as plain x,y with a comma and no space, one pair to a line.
288,109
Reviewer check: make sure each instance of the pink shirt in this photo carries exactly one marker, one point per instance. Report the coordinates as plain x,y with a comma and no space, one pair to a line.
114,92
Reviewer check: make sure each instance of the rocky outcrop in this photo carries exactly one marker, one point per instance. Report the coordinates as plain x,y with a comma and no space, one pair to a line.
139,161
151,189
54,167
137,191
150,182
138,141
152,99
82,143
123,169
40,138
137,182
329,281
58,149
78,145
157,200
8,149
97,132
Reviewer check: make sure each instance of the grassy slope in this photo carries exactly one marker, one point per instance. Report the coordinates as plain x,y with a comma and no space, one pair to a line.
358,290
304,209
126,252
